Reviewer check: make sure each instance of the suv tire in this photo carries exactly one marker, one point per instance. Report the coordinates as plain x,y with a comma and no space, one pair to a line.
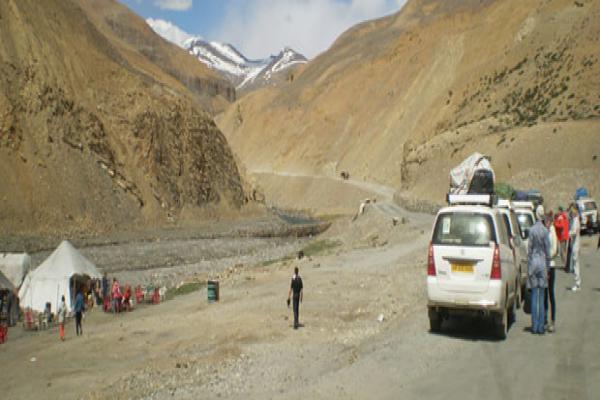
435,321
501,325
518,293
512,312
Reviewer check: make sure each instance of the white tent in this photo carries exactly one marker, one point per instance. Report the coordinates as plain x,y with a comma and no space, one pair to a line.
15,266
52,279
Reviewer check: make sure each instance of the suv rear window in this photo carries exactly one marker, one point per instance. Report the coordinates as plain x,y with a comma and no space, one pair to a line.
525,221
589,206
464,229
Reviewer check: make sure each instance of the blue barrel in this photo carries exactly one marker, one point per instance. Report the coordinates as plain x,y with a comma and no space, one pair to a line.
212,289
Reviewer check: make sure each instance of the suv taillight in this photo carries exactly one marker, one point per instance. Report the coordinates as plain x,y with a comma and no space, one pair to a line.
496,269
430,262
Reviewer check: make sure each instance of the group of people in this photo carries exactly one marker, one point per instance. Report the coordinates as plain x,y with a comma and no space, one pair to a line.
113,298
554,242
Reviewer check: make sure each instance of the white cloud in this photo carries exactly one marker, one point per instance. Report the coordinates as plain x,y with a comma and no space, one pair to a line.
169,31
259,27
177,5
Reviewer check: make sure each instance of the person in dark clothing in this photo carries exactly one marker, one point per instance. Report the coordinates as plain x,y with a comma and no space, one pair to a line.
79,308
105,293
9,309
296,289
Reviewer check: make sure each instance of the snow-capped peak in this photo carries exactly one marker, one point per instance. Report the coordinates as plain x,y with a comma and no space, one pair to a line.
169,31
226,59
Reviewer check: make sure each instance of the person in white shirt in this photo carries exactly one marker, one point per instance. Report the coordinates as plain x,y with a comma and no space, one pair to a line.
574,234
550,299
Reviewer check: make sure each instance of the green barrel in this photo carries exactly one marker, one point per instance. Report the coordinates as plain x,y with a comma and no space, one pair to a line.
213,291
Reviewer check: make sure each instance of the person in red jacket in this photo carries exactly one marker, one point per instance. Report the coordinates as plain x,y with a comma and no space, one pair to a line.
116,295
561,225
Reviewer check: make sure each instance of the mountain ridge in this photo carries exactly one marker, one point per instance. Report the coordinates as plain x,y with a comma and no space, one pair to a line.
95,136
224,58
412,94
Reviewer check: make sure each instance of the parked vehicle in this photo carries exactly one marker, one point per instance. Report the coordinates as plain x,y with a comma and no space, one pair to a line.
588,215
525,219
534,196
471,266
518,244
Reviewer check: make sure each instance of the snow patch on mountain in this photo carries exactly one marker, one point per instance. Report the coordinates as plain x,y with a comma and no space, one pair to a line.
169,31
226,59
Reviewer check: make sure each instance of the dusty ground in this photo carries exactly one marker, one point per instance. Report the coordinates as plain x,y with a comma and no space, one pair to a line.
357,273
189,349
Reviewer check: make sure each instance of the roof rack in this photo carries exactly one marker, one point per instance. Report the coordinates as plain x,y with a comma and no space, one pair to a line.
472,199
523,204
504,203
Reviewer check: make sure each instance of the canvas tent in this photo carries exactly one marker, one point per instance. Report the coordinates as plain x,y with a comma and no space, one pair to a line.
54,278
15,266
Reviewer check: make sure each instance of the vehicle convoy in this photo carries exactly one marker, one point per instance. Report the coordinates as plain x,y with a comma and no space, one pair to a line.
471,266
588,215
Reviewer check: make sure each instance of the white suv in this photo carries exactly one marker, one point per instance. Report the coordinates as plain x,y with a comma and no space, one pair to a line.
518,245
471,268
588,214
526,219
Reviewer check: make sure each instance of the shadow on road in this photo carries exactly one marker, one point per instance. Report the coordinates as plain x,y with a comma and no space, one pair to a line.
471,329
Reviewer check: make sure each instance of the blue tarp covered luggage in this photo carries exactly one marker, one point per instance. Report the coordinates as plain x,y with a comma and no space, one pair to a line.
520,195
581,192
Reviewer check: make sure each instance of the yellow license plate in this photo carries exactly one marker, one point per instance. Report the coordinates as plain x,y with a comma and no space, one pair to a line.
465,268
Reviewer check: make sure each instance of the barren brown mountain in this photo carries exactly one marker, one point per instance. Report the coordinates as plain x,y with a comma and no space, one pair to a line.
103,124
402,99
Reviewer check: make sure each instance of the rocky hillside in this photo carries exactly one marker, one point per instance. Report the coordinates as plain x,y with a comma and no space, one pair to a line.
121,25
402,99
96,134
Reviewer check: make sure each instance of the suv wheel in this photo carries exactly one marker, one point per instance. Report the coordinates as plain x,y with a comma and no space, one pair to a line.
501,325
518,294
435,321
512,312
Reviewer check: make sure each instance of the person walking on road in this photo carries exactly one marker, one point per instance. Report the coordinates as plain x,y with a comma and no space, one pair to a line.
574,234
538,255
296,290
79,308
62,317
549,298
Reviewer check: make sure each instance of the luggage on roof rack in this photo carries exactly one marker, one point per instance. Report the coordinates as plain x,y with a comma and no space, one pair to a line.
482,181
581,192
473,176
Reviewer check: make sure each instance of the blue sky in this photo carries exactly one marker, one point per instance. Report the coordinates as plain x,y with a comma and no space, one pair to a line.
262,27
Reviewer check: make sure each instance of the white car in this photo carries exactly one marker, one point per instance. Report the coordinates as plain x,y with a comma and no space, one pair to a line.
518,244
588,215
525,217
471,267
